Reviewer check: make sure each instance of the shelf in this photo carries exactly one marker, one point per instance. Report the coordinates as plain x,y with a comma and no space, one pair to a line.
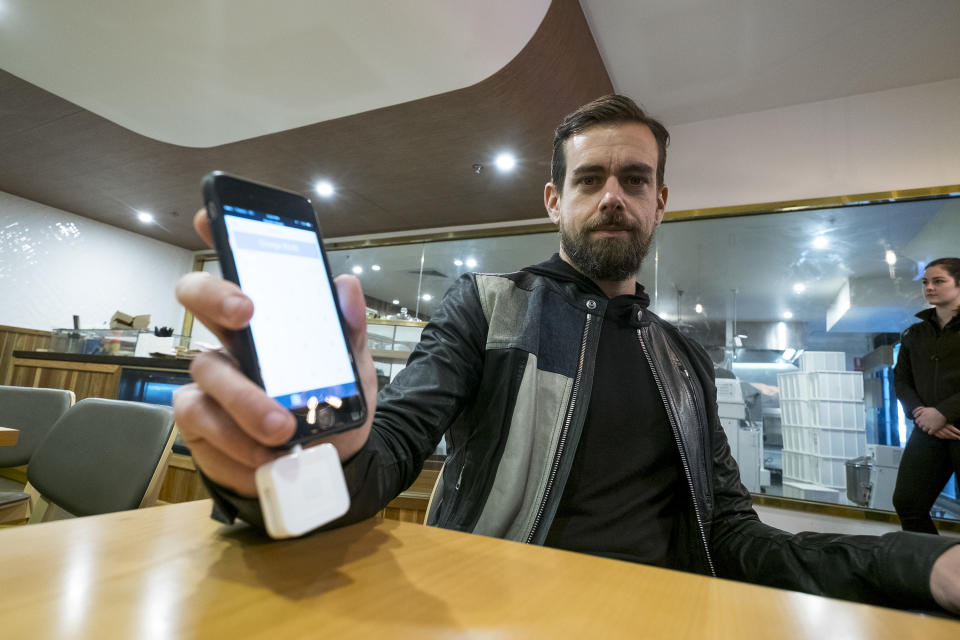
386,354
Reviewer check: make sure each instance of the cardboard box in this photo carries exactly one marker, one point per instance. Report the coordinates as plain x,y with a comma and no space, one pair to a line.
121,320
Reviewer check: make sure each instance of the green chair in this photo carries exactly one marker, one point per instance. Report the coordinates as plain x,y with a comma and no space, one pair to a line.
33,412
101,456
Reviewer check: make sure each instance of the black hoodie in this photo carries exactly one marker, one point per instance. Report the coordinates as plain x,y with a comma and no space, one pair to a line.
625,497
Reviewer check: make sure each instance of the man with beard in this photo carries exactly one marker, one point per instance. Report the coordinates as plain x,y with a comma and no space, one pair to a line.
574,417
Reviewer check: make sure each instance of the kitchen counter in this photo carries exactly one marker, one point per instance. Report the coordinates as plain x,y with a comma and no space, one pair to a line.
123,361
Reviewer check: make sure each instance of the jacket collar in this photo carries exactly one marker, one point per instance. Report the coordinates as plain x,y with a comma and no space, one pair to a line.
558,269
930,315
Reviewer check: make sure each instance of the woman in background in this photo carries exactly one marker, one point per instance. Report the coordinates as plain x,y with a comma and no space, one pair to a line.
927,379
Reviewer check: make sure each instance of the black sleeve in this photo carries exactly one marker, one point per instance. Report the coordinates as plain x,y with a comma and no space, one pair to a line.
892,570
413,412
903,380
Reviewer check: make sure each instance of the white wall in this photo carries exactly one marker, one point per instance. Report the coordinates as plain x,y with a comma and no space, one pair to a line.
898,139
55,264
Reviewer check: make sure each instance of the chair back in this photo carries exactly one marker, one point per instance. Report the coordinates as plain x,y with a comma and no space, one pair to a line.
104,456
33,412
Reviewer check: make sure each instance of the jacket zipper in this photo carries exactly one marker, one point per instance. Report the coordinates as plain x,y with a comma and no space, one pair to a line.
563,434
683,454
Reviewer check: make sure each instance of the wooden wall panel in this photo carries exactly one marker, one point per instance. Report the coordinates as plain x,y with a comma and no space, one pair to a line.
182,483
86,380
18,339
411,505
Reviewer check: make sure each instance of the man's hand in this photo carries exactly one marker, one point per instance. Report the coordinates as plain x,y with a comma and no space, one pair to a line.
929,419
945,580
230,423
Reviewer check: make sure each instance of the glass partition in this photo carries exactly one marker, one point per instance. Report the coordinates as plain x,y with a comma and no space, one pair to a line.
800,311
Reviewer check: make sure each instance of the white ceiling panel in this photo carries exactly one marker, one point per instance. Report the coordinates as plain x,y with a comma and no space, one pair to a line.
201,73
693,60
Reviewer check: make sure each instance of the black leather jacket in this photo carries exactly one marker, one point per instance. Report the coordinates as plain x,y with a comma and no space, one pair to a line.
504,369
928,367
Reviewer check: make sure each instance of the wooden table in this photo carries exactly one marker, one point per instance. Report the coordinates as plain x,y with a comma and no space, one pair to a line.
170,571
8,436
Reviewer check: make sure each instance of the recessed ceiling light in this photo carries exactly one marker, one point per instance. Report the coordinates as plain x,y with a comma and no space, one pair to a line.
358,269
787,315
698,308
145,217
799,287
375,267
427,297
458,262
324,189
820,242
471,263
505,162
395,301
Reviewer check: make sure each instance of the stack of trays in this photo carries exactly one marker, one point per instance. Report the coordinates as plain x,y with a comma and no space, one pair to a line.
822,417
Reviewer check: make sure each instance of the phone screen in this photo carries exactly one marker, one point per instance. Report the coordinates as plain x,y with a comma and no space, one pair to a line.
300,347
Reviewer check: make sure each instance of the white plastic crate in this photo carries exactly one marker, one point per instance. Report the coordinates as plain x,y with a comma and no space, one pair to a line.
807,491
825,441
847,414
731,427
823,361
821,385
728,390
885,456
734,410
828,471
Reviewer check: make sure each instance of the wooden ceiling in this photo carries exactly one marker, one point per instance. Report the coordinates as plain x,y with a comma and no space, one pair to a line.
408,166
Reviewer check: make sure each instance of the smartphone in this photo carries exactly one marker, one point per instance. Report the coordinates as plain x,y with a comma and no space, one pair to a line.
295,347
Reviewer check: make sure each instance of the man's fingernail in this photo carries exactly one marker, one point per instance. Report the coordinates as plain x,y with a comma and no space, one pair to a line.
233,305
277,421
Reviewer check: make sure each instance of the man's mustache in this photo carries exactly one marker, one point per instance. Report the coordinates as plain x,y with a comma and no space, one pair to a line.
614,219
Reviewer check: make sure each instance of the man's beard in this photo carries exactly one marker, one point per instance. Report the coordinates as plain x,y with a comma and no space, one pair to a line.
606,259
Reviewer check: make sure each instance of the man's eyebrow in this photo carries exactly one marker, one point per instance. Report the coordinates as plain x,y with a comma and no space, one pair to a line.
637,167
633,167
587,169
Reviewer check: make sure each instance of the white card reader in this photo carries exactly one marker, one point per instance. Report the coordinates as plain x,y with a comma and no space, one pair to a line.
302,491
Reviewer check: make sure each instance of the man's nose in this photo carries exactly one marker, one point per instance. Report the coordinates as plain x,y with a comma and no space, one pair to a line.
612,195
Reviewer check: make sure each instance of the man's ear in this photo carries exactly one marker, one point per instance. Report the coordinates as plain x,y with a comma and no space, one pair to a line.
662,203
551,200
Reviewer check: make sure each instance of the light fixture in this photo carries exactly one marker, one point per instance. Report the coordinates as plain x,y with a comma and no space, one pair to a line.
787,315
145,217
458,262
781,335
375,267
357,269
698,308
427,297
890,257
799,287
820,242
471,263
324,189
395,301
505,162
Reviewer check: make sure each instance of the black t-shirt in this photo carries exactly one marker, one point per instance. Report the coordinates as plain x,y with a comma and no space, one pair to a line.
626,492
